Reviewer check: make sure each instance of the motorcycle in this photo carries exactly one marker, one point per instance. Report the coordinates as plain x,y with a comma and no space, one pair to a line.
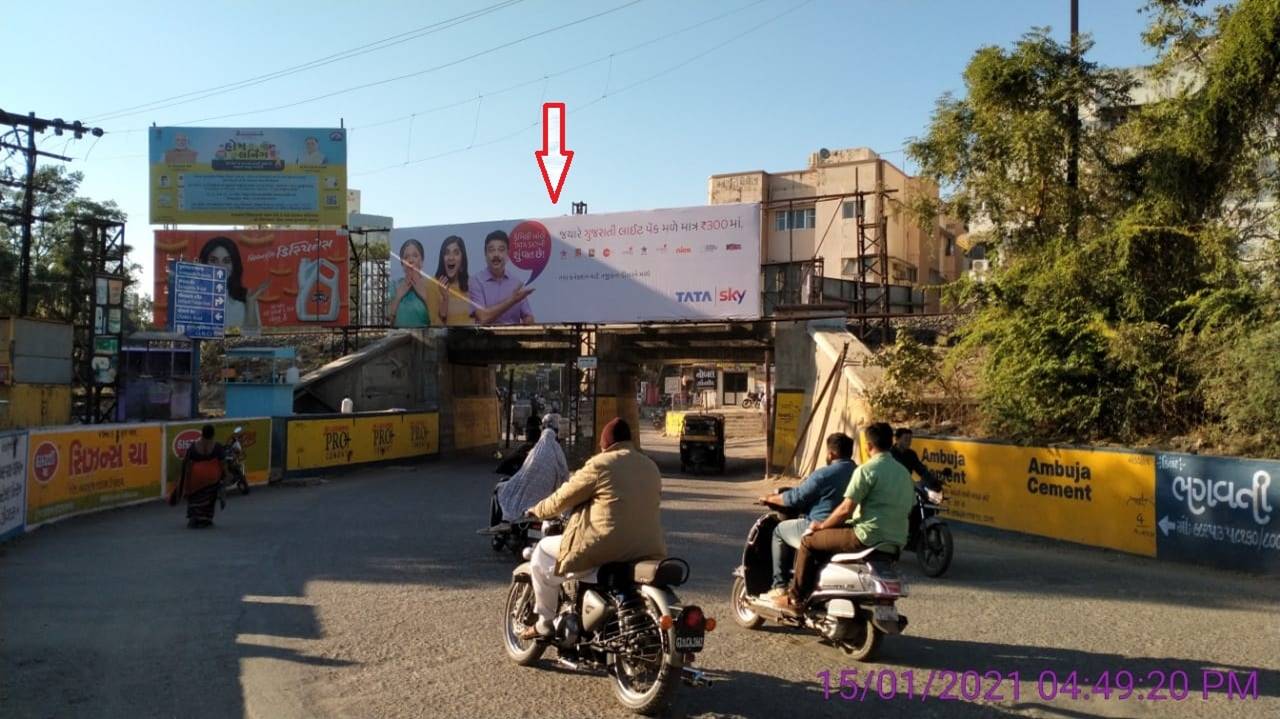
928,535
516,536
853,606
624,619
751,400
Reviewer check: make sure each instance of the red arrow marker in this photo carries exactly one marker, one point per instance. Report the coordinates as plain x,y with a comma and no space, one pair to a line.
553,159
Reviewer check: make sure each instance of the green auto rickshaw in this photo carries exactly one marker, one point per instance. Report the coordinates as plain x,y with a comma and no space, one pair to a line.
702,442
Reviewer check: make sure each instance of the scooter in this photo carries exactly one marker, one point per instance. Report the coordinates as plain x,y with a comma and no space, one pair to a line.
623,620
853,606
235,465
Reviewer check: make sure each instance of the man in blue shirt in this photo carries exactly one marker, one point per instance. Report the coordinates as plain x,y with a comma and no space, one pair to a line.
817,496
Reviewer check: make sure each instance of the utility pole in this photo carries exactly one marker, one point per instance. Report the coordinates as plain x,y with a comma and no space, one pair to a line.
32,125
1073,147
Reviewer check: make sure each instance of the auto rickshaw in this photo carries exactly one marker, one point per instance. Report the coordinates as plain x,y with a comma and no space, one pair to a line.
702,442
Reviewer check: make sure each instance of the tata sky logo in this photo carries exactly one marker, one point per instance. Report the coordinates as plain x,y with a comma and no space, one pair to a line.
727,296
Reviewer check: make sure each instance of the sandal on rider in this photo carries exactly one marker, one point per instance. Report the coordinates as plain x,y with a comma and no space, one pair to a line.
531,633
785,603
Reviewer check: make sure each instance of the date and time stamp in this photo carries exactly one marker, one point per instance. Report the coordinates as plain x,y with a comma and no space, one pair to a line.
992,686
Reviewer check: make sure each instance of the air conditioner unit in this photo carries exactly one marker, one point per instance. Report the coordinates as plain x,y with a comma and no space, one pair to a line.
981,266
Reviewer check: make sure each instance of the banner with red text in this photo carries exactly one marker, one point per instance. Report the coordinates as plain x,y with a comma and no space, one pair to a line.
81,470
692,263
275,278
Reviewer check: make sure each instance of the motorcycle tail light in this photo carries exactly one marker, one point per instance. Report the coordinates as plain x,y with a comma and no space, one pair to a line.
693,618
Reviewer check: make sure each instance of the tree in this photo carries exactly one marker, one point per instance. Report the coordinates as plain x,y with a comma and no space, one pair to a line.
1088,339
53,258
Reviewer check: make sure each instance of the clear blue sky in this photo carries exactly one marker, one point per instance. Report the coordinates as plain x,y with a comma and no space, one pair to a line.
833,73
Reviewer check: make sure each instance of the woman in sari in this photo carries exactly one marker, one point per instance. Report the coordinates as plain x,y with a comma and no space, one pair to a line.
203,471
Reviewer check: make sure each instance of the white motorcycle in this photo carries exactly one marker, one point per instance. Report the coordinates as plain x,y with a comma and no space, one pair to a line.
853,606
624,620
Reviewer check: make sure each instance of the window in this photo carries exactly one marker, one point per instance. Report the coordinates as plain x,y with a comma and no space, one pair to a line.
951,246
854,209
806,219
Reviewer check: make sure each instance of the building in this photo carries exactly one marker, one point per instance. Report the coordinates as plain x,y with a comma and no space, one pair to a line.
821,211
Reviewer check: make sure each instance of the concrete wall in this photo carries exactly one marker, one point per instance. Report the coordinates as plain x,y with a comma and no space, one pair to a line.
399,372
804,355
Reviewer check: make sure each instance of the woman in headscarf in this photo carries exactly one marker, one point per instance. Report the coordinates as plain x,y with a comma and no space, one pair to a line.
543,471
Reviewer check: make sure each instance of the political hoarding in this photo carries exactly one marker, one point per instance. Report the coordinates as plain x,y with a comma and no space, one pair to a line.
359,439
1218,510
81,470
696,263
255,441
274,278
13,483
248,176
1102,498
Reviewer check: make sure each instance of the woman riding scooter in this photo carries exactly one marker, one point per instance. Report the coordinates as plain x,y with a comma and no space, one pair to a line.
543,470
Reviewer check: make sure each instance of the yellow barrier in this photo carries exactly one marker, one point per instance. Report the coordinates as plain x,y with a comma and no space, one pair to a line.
1103,498
789,406
475,422
257,446
334,441
70,471
35,405
675,423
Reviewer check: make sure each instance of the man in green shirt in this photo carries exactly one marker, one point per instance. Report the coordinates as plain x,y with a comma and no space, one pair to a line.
874,511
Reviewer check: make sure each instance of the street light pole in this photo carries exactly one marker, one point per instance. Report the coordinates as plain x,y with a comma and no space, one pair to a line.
1073,147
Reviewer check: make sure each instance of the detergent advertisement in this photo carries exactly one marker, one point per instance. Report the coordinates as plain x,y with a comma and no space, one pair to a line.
275,278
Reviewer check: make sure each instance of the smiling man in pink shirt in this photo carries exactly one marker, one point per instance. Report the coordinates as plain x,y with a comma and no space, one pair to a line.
496,297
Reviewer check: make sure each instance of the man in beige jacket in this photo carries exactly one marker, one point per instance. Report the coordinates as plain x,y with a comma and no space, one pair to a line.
616,499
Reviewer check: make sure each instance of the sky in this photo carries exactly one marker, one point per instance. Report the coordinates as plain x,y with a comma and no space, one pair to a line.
659,94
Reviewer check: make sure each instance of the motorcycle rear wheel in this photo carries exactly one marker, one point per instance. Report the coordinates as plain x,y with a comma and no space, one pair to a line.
656,697
863,639
517,616
743,615
935,549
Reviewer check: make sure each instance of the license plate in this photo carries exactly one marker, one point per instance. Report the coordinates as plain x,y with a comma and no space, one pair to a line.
689,644
886,613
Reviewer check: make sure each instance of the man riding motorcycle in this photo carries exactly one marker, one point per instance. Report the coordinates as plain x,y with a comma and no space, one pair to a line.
874,512
816,497
616,500
908,458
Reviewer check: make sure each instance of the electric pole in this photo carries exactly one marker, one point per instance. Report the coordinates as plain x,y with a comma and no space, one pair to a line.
1073,142
31,125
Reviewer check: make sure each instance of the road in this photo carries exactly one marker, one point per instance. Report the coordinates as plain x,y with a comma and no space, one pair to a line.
369,595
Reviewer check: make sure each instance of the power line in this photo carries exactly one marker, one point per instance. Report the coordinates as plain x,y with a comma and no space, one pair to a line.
374,46
580,108
567,70
419,73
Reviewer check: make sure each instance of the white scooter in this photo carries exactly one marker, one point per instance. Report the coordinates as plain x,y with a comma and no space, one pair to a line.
853,606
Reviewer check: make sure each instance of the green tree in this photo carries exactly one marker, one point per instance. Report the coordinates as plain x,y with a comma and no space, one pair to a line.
1089,339
53,248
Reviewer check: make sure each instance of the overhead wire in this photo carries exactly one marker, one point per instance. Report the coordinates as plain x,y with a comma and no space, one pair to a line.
367,48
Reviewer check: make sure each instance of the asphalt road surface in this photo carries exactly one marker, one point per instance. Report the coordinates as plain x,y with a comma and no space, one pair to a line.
369,595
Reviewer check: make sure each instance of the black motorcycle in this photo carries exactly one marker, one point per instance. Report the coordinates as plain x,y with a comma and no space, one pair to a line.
751,400
627,622
929,536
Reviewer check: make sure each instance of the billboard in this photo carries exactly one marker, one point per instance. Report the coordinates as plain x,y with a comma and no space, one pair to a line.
13,483
1219,510
275,278
338,441
695,263
1103,498
73,471
248,176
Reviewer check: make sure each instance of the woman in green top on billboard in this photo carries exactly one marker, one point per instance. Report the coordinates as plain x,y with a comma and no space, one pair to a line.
410,302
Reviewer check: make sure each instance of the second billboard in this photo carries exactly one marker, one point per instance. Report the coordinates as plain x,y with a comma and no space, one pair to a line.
697,263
